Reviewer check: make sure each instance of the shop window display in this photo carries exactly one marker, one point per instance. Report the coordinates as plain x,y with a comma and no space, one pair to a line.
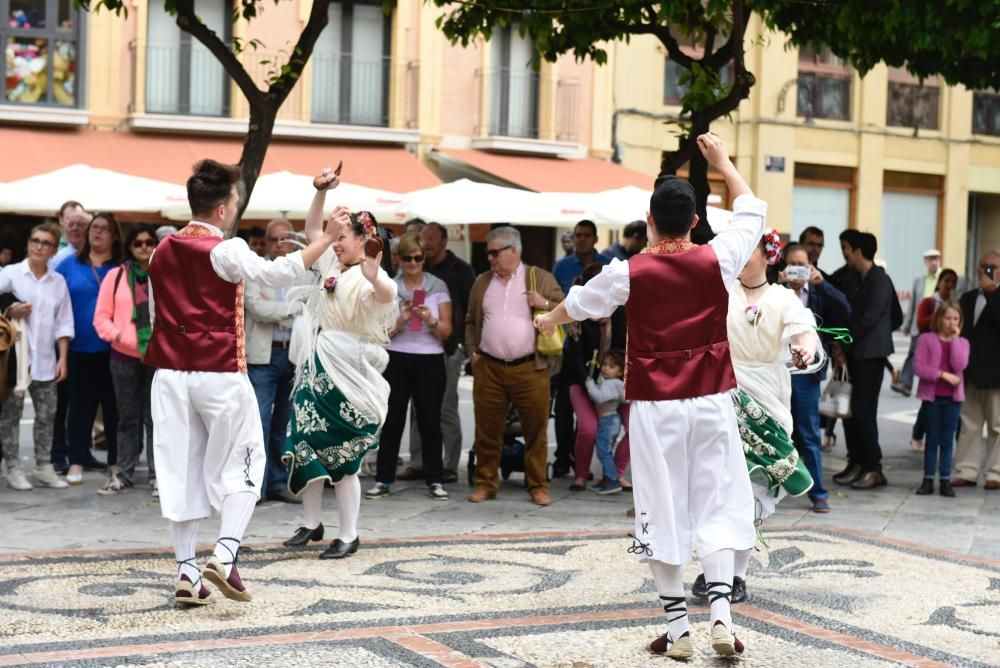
41,47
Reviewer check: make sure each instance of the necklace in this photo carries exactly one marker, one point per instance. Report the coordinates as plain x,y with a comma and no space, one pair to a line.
752,287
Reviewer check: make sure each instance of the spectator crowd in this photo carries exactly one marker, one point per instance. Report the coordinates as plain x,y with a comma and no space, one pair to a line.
77,318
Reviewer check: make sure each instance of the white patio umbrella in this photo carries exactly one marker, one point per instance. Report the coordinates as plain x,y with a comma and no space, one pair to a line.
99,190
623,205
469,202
288,195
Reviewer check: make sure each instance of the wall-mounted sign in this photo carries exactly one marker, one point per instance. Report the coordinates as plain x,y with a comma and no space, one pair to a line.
774,163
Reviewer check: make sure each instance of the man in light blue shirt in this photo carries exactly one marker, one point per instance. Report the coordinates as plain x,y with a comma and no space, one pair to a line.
570,267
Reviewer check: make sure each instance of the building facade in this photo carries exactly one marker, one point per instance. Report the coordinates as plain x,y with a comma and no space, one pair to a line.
919,166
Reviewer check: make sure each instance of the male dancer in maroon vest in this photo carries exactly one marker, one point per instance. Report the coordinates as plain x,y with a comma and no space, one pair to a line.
691,485
208,439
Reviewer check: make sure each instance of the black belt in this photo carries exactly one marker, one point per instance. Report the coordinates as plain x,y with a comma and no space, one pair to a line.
514,362
280,344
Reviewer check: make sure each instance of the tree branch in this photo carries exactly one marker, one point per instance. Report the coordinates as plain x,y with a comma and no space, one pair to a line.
318,18
189,22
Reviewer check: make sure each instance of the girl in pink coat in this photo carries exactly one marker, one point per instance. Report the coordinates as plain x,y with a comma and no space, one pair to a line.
940,359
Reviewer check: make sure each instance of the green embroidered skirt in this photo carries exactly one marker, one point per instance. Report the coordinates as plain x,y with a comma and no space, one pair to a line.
327,436
771,457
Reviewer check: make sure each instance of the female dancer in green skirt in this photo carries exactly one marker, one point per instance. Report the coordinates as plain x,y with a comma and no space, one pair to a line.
340,396
769,328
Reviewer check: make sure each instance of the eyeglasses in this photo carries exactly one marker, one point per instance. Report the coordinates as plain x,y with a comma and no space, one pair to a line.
494,252
43,243
411,258
143,243
100,228
277,240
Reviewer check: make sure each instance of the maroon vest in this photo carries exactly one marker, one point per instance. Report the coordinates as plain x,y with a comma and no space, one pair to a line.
678,346
198,324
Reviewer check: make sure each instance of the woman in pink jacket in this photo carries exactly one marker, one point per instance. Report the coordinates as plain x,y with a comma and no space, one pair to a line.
939,361
123,319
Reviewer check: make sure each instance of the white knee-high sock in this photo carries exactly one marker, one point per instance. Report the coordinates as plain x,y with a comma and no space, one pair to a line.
670,585
185,537
312,503
742,562
349,505
237,509
719,577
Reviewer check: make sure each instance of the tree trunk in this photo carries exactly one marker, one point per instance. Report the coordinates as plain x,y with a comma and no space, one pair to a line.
688,152
262,119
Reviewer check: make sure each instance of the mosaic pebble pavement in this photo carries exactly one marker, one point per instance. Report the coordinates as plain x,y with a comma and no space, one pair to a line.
817,598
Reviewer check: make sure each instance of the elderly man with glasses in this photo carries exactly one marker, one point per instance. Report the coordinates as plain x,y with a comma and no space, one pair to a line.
500,337
981,309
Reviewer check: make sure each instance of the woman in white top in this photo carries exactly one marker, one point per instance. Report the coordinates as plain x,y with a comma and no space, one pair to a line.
416,368
769,329
340,396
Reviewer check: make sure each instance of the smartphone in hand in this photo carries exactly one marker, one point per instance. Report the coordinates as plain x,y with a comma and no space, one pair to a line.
419,295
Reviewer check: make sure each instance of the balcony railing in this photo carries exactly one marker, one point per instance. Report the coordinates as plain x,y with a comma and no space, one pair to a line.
913,106
824,96
185,80
513,102
188,80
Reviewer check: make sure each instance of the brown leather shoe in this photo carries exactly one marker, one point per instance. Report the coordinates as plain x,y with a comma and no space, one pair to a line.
481,494
849,475
870,480
962,482
540,497
991,484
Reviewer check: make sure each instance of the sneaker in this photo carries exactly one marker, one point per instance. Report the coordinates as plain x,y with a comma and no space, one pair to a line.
17,480
917,444
154,490
437,492
607,487
821,506
46,476
114,485
378,491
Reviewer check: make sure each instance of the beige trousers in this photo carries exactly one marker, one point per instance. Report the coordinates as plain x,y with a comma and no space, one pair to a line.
980,407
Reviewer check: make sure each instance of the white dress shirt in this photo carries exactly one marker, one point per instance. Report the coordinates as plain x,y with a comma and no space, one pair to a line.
733,246
233,261
51,314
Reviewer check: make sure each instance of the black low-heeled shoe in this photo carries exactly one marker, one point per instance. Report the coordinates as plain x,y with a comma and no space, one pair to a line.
926,487
946,489
304,536
339,549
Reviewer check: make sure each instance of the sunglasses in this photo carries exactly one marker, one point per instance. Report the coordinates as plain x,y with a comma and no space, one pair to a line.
143,243
411,258
494,252
44,243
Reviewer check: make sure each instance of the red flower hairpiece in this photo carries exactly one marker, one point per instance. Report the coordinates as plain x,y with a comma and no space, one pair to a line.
772,247
368,223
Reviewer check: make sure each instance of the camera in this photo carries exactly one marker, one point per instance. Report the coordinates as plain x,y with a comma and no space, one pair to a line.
797,273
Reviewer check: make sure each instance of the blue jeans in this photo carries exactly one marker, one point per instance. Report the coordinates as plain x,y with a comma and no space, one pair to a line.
608,427
805,435
942,423
272,383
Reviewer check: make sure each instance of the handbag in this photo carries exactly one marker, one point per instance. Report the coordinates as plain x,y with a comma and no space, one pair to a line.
835,402
550,345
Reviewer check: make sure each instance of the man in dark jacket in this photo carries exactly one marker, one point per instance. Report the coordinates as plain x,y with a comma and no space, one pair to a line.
871,325
981,312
